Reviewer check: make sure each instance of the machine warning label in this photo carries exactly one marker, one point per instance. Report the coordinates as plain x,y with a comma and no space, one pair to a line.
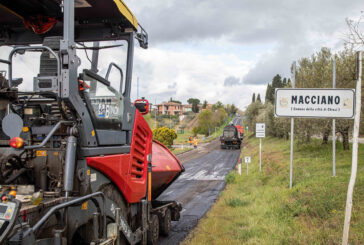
41,153
84,206
93,177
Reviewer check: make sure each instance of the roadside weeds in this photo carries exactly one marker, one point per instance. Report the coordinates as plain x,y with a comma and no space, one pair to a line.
261,209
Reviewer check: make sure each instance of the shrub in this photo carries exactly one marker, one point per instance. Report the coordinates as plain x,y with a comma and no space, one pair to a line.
165,135
195,131
230,178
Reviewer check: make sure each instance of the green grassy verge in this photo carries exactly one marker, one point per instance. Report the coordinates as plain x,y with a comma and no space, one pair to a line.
177,151
261,209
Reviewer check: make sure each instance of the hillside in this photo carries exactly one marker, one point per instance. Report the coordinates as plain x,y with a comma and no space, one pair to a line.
261,209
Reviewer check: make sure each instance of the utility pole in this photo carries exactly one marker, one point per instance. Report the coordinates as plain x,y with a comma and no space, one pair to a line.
155,113
137,87
292,131
333,123
354,163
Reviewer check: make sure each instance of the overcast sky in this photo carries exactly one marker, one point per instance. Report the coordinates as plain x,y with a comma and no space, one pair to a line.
227,49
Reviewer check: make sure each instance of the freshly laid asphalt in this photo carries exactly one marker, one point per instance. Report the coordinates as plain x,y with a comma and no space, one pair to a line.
199,186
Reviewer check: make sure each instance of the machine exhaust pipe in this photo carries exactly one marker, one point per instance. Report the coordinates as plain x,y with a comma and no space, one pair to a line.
69,168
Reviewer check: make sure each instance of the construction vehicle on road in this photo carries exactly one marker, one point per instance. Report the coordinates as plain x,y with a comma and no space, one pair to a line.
230,138
78,164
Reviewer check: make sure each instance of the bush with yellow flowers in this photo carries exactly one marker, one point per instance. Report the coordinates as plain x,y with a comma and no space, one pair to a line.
165,135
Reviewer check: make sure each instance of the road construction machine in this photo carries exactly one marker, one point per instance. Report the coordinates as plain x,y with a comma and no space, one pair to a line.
78,164
230,138
241,131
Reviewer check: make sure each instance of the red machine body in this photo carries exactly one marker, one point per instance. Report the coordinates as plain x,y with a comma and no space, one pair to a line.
166,168
129,171
240,129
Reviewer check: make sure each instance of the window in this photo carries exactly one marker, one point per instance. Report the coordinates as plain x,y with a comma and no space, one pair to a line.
104,102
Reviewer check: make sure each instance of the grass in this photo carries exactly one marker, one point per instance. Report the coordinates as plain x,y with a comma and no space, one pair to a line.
261,209
177,151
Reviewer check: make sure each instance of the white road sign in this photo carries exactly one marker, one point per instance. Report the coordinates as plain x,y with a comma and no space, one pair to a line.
247,160
260,130
315,103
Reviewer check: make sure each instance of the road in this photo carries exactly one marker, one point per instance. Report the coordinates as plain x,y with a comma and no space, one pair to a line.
199,186
238,121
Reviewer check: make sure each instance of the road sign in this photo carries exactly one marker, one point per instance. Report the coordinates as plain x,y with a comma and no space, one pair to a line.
247,159
260,130
314,103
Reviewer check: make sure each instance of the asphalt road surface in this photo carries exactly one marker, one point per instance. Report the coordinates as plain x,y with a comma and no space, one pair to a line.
238,121
199,186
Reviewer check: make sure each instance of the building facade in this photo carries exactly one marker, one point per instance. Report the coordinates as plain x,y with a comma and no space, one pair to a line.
170,108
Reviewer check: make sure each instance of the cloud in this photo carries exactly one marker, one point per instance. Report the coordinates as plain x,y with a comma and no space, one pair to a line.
293,28
231,81
243,21
185,74
221,50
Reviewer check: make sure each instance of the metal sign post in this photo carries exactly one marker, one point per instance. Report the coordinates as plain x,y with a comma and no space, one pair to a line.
247,161
260,133
239,166
292,131
333,123
313,103
354,164
260,154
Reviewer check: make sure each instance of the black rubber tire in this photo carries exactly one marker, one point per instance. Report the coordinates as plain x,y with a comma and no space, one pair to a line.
112,193
165,224
153,231
82,235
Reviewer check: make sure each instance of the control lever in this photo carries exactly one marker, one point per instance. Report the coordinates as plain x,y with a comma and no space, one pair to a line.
9,212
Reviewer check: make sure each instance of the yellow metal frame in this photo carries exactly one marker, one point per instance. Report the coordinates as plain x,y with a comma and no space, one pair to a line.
124,10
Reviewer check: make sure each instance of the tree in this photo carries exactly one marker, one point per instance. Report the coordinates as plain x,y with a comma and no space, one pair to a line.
175,101
217,105
195,131
165,135
219,117
204,105
194,102
269,95
253,111
258,98
355,35
231,109
253,99
205,123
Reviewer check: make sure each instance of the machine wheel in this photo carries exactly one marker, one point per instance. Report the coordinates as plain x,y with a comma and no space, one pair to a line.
82,235
153,231
165,223
114,195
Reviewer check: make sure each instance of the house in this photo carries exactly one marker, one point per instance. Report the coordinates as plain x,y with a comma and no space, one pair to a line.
187,108
170,108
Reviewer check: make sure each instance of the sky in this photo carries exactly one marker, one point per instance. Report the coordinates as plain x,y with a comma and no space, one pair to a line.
225,50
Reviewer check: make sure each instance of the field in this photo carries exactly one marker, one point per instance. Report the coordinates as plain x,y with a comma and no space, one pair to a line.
261,209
